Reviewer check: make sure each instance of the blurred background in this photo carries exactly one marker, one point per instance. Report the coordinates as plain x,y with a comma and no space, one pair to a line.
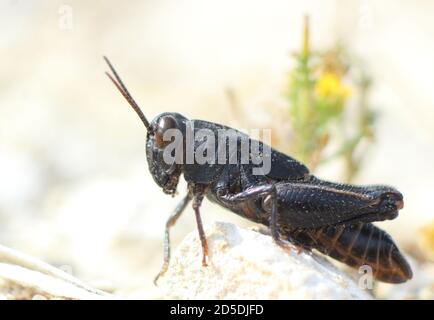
348,90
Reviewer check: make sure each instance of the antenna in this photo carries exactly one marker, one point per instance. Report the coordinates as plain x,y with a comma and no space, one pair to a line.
124,91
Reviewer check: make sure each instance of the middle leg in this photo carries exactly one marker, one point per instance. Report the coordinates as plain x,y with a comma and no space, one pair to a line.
198,191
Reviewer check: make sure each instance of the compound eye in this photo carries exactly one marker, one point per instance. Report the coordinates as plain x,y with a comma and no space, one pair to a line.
164,124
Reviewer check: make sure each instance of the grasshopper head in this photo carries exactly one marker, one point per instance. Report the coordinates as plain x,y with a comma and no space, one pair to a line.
166,135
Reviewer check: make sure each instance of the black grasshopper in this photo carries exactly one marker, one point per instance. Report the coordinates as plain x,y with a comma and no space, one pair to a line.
333,218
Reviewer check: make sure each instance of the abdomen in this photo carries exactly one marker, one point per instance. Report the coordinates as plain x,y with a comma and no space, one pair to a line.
357,245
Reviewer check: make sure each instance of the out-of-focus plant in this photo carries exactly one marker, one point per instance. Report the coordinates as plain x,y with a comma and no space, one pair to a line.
319,92
426,241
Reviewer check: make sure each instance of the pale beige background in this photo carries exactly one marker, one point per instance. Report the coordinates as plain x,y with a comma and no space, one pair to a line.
74,186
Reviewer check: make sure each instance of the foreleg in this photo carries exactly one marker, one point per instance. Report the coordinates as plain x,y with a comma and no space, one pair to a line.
170,223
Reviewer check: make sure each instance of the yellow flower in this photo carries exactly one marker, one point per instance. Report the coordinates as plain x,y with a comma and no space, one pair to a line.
426,240
329,85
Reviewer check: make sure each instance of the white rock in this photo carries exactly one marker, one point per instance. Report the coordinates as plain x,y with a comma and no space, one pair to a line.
20,283
25,277
245,264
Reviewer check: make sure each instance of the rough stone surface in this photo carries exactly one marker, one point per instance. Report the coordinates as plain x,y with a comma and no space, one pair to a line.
25,277
17,283
245,264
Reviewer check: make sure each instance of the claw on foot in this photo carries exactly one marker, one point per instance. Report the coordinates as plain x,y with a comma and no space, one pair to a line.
283,245
158,277
204,263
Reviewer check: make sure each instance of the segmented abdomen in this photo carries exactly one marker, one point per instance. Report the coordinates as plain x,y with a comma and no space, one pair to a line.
357,245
